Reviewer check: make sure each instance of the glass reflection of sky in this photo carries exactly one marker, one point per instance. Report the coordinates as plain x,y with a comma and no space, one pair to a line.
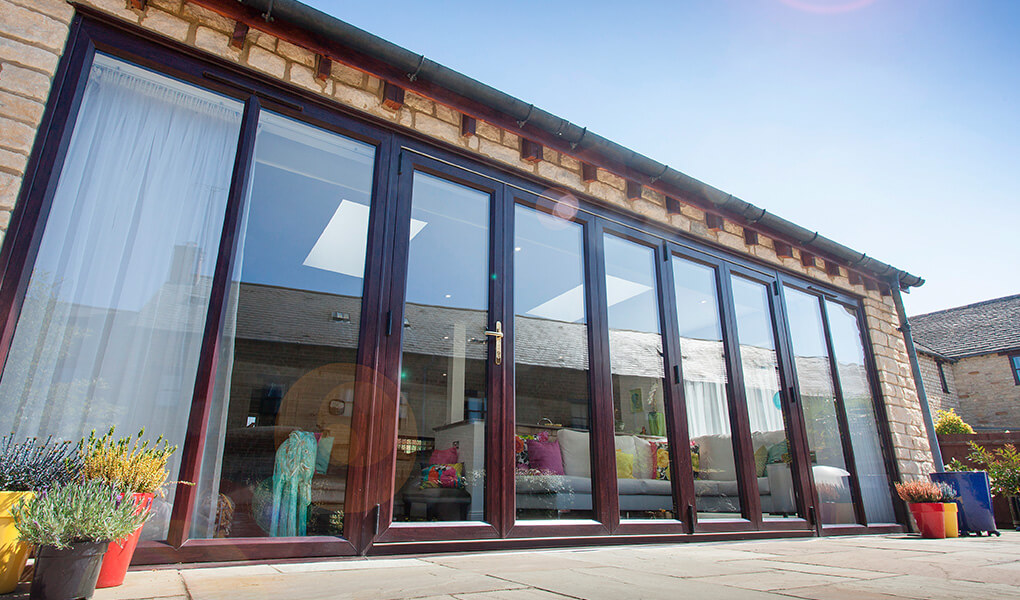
754,324
548,270
634,263
448,263
302,176
846,337
696,300
805,324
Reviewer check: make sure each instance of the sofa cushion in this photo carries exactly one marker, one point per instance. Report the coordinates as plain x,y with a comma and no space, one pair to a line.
624,465
545,457
575,450
716,460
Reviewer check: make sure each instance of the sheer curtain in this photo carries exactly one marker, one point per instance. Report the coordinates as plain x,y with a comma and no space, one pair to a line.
112,322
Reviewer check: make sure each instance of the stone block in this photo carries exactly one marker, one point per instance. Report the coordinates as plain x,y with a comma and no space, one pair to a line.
448,114
215,42
9,185
265,61
502,153
57,9
20,109
29,26
608,193
347,75
24,82
487,131
12,162
16,136
170,6
117,8
560,175
418,103
203,16
296,53
436,128
24,55
355,98
511,140
305,77
611,179
569,162
166,24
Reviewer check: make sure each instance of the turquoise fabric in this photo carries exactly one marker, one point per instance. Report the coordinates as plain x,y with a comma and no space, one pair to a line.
292,484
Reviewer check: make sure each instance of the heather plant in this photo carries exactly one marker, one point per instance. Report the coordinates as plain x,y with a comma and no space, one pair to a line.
948,422
1003,466
82,511
32,465
128,462
925,492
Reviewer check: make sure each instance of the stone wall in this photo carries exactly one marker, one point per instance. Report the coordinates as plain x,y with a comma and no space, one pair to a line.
989,396
32,32
937,398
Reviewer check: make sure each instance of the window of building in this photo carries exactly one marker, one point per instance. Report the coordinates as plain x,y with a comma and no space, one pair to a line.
1014,363
942,377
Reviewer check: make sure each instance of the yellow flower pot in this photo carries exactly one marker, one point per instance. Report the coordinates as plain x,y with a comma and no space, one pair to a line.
952,527
13,552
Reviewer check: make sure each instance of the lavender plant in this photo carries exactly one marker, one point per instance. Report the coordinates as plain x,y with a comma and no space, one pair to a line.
32,465
83,511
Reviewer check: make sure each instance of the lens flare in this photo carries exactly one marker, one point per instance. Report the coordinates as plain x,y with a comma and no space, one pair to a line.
827,7
559,208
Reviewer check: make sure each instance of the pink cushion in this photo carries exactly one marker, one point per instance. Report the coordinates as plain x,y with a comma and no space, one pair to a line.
447,456
545,457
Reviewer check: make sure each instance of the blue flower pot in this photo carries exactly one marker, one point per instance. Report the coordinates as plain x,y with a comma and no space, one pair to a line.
975,500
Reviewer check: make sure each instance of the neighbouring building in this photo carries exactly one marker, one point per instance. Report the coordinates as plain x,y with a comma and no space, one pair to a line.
970,360
383,307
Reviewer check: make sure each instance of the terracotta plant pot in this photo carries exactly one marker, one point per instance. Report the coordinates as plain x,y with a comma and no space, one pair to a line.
13,552
118,555
931,519
67,574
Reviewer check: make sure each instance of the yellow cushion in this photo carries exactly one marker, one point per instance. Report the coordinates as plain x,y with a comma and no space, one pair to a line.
761,460
662,461
624,465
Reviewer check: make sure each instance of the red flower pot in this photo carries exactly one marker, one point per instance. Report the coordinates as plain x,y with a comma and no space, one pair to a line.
118,555
931,519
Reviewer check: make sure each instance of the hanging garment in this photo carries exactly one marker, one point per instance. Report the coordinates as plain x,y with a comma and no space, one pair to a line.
292,484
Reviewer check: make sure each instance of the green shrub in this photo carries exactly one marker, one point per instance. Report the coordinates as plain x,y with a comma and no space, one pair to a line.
32,465
1003,468
947,421
88,511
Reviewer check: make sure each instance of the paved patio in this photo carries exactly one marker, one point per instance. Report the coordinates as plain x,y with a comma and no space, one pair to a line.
861,568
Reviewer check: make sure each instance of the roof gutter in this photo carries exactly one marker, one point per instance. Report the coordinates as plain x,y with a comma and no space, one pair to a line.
333,29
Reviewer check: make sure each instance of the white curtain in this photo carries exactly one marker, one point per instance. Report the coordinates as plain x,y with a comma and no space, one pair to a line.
112,322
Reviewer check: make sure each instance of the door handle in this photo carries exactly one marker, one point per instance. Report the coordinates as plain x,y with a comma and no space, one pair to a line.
498,334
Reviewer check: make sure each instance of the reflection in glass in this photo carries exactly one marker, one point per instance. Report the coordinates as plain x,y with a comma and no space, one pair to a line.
112,322
818,401
440,472
635,356
860,413
703,359
760,365
279,434
553,460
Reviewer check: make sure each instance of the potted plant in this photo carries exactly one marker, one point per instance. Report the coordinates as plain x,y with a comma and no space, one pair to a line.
133,465
928,502
26,467
1003,466
72,526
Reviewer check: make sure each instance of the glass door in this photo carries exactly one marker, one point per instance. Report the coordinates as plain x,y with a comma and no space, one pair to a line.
450,333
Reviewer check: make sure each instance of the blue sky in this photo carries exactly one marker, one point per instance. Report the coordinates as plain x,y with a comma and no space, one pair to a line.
890,126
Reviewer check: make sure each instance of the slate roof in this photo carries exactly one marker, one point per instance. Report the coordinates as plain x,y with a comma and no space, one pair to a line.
982,328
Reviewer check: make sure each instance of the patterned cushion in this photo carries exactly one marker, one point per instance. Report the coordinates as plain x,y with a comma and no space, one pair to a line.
761,460
443,476
662,460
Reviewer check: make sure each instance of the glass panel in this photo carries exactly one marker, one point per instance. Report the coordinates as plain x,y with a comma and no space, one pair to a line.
860,413
275,461
703,359
553,459
441,449
818,401
114,313
760,364
635,357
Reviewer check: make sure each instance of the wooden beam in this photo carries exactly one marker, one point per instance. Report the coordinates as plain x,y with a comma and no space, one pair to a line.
672,206
783,250
750,237
467,125
714,222
138,4
807,259
393,96
832,268
323,67
531,151
633,190
871,285
855,278
589,172
240,33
